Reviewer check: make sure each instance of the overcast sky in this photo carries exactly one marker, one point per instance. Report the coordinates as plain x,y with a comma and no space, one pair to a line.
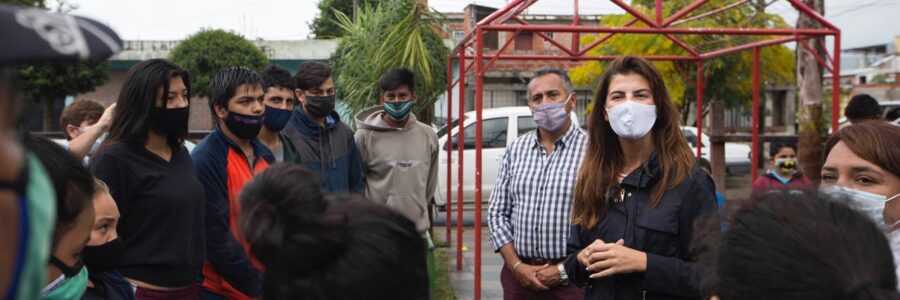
863,22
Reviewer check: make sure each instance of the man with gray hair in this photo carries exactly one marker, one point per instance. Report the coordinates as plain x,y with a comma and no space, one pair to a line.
529,212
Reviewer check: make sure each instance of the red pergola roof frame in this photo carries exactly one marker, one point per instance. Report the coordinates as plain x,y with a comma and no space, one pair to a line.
469,52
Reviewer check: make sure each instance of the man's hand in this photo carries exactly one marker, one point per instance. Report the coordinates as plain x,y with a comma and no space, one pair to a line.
549,276
615,258
526,275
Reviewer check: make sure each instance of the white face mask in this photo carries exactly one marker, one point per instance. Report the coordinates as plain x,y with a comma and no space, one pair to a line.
869,204
632,120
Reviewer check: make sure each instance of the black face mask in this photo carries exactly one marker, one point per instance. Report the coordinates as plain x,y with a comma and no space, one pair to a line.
243,126
276,119
67,271
102,258
171,121
319,106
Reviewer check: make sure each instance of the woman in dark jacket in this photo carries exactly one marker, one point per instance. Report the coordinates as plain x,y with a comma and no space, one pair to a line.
638,193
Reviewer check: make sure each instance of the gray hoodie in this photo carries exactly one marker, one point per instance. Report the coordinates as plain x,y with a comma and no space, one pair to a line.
400,164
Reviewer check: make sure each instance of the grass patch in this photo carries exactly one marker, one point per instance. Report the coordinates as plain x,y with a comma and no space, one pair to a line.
443,288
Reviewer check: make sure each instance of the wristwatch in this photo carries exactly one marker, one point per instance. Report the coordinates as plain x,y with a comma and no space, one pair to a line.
563,277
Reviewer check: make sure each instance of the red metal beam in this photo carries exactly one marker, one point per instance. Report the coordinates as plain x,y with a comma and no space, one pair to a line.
682,12
824,50
459,160
836,84
754,151
546,38
505,45
496,14
683,45
581,58
710,13
637,14
603,39
576,21
466,71
803,43
756,44
684,74
449,204
699,142
812,14
670,30
479,86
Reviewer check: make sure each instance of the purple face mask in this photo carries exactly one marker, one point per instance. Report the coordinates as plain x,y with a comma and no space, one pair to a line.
551,116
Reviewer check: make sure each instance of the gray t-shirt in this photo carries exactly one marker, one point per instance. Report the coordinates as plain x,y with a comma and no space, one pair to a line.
278,152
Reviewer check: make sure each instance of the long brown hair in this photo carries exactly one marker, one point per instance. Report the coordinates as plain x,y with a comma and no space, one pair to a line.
604,159
875,141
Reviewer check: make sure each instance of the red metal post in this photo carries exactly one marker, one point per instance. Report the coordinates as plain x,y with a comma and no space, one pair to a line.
576,21
449,204
754,150
699,108
659,8
836,84
459,160
479,85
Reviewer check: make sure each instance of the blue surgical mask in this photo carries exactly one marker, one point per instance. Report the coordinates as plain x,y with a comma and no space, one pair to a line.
64,288
872,205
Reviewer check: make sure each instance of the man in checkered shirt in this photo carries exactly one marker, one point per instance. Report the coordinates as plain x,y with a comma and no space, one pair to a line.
529,213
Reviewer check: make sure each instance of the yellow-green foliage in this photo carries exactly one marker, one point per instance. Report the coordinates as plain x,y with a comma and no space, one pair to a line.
728,78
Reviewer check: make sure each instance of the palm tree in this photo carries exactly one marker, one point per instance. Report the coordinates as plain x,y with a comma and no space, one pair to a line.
394,34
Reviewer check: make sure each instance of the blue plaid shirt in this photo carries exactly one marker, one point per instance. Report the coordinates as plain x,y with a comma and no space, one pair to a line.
532,200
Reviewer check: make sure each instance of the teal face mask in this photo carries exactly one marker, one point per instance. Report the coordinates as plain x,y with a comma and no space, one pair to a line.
398,110
67,288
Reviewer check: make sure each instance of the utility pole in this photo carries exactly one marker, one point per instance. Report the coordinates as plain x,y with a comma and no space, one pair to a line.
809,79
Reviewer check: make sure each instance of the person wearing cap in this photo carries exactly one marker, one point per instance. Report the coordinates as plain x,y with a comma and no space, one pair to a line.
27,199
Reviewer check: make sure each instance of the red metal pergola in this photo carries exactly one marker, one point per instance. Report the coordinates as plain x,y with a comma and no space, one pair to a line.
471,49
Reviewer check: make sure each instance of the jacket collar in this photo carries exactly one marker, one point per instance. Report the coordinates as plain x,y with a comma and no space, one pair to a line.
304,124
259,150
645,174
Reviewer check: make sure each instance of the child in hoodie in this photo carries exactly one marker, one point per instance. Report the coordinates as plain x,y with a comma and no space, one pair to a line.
785,173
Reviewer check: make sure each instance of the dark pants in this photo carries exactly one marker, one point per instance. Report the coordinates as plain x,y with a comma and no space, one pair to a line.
513,290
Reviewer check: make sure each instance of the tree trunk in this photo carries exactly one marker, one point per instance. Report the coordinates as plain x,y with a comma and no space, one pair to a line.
809,79
48,114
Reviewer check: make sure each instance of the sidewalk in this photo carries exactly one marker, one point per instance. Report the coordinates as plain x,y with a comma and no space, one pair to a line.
463,281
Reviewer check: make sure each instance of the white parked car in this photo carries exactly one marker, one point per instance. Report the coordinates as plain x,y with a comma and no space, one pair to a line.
500,127
737,155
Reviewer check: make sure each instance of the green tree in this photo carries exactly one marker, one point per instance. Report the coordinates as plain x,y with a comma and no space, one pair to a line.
396,34
727,78
211,50
325,25
51,82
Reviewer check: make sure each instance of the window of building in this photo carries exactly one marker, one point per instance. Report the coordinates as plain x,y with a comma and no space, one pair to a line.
524,40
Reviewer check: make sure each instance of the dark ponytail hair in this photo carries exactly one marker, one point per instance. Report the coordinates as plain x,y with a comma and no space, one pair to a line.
336,247
794,245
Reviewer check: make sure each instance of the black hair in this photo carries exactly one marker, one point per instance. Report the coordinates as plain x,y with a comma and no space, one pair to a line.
777,145
315,248
794,245
72,183
225,83
276,76
396,78
131,124
311,75
861,107
893,114
704,163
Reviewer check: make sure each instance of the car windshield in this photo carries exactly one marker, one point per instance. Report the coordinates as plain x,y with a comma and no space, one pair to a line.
441,132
